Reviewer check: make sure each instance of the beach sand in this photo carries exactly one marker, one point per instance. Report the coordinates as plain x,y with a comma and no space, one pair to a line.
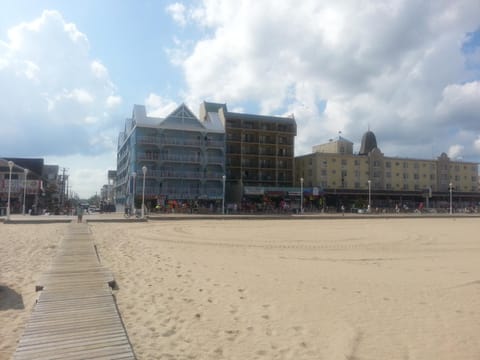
267,289
26,251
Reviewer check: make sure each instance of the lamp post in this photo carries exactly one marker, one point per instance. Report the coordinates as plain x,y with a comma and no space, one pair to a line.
369,195
301,195
24,190
450,187
134,175
223,194
10,166
144,170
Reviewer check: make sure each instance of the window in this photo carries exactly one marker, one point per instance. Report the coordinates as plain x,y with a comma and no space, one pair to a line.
357,162
388,164
344,162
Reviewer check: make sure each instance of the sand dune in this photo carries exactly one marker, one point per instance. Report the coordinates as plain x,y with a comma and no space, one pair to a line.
294,289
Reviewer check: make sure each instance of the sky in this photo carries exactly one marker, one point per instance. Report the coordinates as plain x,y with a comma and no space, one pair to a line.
71,71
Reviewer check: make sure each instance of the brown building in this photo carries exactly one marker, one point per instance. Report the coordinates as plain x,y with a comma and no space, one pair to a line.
259,150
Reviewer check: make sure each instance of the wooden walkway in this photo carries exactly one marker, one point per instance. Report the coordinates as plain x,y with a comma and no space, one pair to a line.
75,316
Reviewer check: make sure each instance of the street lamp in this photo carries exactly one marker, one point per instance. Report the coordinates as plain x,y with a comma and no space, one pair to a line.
301,195
144,170
134,175
369,195
24,190
223,194
10,166
450,187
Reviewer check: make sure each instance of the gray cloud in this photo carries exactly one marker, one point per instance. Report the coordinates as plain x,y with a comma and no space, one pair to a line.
395,66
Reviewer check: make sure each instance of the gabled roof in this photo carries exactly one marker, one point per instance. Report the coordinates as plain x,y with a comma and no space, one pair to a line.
214,107
213,122
182,118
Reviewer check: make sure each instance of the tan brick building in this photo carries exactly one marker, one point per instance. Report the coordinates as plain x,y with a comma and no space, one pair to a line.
336,169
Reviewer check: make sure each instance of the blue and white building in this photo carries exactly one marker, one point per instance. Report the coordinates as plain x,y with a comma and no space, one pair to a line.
184,158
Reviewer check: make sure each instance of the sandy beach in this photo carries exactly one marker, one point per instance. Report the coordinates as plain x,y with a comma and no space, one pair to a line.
268,289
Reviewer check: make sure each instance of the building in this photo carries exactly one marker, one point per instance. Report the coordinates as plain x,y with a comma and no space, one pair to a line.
184,159
259,151
351,178
32,181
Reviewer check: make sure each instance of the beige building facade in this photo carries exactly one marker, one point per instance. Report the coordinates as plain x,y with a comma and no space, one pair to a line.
329,168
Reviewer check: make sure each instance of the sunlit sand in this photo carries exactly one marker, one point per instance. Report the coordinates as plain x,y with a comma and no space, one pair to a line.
291,289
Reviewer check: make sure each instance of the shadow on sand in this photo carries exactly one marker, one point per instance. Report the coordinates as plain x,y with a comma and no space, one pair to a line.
10,299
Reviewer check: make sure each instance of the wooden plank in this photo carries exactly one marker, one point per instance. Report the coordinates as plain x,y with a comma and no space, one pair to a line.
76,316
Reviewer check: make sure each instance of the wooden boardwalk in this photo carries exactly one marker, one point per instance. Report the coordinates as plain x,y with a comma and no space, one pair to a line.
75,316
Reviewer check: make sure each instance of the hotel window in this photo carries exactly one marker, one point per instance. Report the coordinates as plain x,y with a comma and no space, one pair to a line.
388,174
405,176
388,186
388,164
405,186
416,177
405,165
357,162
344,162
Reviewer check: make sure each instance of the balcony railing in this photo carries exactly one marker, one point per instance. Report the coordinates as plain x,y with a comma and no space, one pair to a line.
157,140
195,175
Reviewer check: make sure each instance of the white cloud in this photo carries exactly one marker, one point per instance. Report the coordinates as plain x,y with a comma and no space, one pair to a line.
177,11
476,145
395,66
460,104
99,70
51,88
157,106
113,101
455,151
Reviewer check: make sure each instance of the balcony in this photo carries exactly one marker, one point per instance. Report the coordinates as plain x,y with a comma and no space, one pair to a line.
215,160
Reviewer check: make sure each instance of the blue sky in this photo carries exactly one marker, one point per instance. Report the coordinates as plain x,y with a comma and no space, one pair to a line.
70,72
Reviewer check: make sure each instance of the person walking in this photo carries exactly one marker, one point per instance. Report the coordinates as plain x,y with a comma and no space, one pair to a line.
79,214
